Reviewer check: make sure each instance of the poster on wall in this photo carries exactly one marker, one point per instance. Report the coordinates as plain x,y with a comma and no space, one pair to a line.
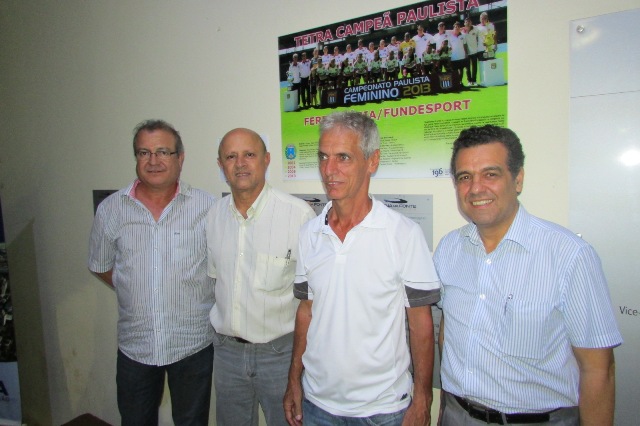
10,409
423,72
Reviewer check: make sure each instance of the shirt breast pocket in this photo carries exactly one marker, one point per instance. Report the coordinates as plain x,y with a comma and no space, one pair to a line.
274,273
188,246
525,328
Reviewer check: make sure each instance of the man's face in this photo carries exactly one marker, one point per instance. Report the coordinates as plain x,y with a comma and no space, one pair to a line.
153,172
441,28
487,192
344,171
243,160
468,24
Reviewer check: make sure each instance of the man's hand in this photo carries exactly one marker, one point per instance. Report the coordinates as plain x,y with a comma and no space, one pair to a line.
293,404
417,414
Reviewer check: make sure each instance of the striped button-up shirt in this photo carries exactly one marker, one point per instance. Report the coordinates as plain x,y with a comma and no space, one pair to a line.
513,315
159,273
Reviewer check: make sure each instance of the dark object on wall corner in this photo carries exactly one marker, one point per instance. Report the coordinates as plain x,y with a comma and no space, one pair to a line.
99,195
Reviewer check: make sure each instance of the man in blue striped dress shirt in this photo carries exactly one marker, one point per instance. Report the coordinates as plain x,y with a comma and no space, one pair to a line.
148,242
530,330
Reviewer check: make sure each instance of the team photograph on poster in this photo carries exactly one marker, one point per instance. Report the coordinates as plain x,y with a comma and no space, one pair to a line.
423,72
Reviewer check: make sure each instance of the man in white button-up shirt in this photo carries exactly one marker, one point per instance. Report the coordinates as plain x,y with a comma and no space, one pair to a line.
252,243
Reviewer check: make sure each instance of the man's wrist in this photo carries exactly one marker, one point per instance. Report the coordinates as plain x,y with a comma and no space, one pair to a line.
423,396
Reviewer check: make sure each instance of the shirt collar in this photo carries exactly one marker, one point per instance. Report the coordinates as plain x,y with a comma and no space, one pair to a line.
517,231
182,188
374,219
256,207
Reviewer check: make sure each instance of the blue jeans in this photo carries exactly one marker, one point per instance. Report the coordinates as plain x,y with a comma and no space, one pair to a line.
313,415
248,374
140,388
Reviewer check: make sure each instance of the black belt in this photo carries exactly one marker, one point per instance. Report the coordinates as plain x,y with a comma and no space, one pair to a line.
490,415
239,339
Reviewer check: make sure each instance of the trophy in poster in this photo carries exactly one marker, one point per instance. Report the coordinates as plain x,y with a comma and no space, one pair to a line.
489,45
289,80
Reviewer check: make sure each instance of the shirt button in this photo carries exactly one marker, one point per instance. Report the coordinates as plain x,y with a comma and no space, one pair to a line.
488,261
482,297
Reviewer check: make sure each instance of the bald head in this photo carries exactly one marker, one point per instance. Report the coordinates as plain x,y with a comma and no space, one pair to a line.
243,158
241,133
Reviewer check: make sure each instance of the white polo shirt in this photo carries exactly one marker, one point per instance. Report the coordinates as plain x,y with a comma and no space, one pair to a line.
422,43
253,261
356,360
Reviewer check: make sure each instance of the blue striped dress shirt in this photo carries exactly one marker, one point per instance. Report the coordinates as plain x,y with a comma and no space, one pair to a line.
513,315
159,273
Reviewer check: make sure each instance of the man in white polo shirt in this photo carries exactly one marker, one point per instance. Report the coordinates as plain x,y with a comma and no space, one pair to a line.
362,270
252,245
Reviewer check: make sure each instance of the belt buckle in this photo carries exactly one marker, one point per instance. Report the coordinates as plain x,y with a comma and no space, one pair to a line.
497,419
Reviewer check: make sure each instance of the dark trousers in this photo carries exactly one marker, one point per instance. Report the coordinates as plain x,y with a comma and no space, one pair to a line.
458,67
304,97
140,388
472,69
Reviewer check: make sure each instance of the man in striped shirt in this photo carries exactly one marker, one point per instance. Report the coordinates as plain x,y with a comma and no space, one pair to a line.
529,330
148,243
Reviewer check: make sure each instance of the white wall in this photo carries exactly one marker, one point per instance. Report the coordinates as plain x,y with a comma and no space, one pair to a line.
604,130
76,76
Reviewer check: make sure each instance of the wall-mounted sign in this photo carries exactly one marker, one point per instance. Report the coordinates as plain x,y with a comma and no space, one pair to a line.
417,70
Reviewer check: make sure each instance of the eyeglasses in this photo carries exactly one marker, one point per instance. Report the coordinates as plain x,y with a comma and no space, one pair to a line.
161,154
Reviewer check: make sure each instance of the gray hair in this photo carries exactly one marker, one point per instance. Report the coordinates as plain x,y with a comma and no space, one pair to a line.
357,122
153,125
